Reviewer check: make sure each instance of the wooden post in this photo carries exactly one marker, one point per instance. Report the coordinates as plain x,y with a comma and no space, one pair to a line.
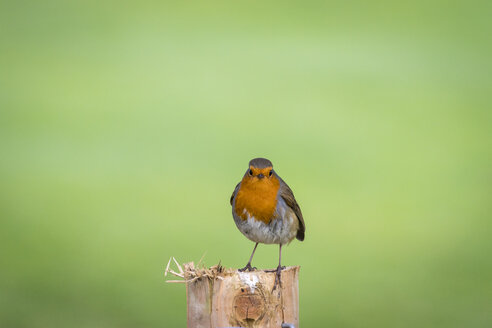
218,297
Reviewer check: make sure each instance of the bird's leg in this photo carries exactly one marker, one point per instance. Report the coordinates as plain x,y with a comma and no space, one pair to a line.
279,270
248,266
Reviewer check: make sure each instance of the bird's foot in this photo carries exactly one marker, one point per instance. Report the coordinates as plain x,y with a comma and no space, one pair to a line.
278,275
248,267
275,270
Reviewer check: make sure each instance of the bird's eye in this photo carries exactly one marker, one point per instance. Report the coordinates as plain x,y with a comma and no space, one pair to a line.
250,172
270,173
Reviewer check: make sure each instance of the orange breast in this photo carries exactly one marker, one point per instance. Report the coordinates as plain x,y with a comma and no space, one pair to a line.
258,198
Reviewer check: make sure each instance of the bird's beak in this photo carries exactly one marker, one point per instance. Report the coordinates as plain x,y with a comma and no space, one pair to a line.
260,176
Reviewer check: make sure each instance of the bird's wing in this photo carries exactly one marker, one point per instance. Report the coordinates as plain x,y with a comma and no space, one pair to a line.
288,196
234,192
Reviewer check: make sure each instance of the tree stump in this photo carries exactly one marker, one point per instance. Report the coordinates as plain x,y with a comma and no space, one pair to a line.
219,297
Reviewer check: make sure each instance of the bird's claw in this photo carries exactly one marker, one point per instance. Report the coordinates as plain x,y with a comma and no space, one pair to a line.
275,270
278,275
248,267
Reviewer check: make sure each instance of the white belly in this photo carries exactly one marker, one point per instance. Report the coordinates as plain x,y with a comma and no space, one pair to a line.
281,229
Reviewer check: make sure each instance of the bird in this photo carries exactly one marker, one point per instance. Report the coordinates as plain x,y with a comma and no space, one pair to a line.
265,211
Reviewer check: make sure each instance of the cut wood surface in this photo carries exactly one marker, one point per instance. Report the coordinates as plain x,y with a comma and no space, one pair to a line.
218,297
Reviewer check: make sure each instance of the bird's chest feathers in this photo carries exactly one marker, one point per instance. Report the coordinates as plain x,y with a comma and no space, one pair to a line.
257,199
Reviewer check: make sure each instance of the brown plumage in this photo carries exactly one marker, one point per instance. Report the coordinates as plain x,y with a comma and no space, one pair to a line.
287,194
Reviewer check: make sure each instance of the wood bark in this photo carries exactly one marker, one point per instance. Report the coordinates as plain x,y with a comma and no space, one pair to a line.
228,298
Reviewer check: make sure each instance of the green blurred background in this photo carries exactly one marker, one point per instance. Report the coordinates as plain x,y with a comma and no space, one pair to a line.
124,128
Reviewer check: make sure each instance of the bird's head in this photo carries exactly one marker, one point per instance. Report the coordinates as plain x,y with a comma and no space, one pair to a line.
260,170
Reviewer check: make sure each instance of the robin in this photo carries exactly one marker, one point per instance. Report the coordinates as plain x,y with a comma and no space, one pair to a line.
266,211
